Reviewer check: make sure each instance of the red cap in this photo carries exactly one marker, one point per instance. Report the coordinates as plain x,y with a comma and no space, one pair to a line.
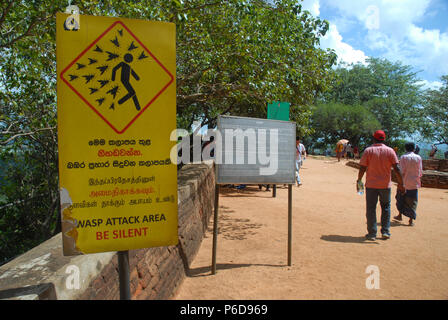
379,135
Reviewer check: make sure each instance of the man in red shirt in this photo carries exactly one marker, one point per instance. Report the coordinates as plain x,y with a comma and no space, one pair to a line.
377,160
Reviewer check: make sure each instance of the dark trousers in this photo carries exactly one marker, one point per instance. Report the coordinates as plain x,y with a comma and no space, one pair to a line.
372,196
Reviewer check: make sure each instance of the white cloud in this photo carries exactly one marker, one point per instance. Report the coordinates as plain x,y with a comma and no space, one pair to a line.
345,52
333,38
391,28
312,6
393,16
434,85
429,49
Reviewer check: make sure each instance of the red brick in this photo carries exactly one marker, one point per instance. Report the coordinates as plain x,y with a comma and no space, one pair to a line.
142,267
143,295
145,280
109,273
137,291
97,283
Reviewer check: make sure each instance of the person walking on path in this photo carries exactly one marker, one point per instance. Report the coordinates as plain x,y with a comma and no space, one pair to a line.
300,156
377,160
411,170
349,151
339,150
356,152
417,149
433,152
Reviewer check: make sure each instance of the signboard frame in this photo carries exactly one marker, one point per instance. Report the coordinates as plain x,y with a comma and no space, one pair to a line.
219,182
289,160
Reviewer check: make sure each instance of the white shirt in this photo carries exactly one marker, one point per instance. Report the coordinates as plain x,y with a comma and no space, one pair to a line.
411,170
299,149
348,148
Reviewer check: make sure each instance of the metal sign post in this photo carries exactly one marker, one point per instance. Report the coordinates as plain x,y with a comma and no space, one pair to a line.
123,275
215,228
289,224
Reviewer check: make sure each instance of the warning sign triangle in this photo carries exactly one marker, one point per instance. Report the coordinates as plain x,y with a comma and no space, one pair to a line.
117,76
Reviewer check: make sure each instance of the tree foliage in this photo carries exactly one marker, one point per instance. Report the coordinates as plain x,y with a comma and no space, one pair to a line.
334,121
233,57
434,125
391,91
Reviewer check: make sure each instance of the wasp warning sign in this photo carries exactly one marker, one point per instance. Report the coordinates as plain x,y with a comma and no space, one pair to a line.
117,76
116,111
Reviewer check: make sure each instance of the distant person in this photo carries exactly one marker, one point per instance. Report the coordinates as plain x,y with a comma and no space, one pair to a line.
377,160
417,149
411,170
349,151
446,154
339,151
356,152
345,150
433,152
300,156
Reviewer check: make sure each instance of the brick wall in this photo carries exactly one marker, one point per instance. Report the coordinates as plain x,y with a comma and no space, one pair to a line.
155,273
440,165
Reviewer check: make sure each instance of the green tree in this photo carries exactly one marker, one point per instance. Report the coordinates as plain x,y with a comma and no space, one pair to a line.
236,56
435,111
29,197
334,121
391,91
28,208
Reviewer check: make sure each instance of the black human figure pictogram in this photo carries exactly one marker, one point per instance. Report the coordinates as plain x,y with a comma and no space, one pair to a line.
126,72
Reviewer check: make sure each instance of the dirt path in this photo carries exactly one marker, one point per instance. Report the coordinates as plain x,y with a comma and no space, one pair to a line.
329,253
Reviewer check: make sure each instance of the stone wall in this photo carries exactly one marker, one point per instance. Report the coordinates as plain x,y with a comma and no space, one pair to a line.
440,165
155,273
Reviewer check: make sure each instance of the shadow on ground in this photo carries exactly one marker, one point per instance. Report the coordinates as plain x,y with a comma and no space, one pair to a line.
234,228
394,223
346,239
248,191
206,271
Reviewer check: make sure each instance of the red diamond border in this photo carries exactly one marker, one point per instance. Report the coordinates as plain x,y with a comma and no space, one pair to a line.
90,105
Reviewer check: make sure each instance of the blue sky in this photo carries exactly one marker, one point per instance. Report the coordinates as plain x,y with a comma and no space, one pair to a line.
414,32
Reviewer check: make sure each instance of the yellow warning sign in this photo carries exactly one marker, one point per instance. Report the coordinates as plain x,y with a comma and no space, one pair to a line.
116,111
117,76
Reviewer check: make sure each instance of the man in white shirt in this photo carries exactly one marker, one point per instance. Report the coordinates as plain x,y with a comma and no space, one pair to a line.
411,170
300,156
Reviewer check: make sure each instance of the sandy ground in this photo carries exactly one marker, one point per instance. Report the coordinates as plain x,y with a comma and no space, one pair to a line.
329,253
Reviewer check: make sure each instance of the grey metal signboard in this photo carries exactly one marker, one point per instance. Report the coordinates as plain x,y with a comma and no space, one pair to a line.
255,151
